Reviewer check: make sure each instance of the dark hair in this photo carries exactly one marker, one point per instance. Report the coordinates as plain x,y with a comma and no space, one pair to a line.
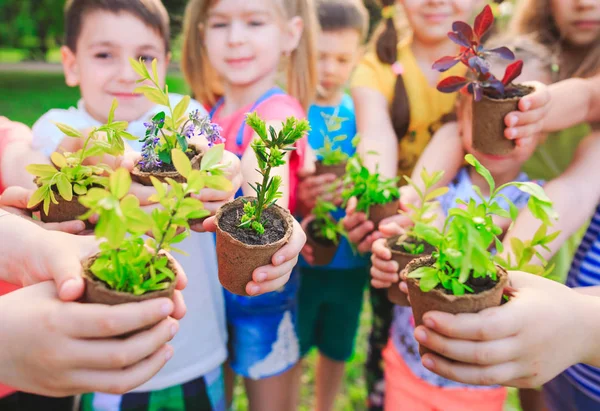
343,14
151,12
386,48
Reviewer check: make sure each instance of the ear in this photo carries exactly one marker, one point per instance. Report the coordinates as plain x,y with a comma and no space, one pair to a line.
168,59
70,66
294,28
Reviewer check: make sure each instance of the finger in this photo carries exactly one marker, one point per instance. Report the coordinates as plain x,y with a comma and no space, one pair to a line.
121,353
253,288
69,227
353,220
360,232
292,249
351,206
180,308
380,251
471,352
103,321
366,245
143,193
122,381
403,287
538,99
490,324
207,195
471,374
270,272
389,268
15,196
209,224
518,118
380,284
385,277
182,279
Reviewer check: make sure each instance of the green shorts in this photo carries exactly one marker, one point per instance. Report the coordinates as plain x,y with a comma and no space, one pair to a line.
329,304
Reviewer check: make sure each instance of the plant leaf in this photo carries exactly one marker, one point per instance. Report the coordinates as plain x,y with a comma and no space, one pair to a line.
512,72
119,182
212,157
503,52
180,109
64,187
445,63
41,170
481,170
459,39
181,162
152,94
451,84
483,21
111,113
464,29
68,130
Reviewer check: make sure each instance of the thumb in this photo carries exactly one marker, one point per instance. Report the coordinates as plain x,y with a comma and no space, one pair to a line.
65,264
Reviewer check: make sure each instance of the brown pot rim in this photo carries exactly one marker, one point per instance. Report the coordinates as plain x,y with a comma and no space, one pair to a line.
429,260
392,240
87,274
136,171
530,90
285,215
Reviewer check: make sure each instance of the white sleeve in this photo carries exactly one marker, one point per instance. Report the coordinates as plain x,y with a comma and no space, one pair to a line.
46,135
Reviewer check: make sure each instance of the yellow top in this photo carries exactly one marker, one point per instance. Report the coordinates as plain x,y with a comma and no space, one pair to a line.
427,104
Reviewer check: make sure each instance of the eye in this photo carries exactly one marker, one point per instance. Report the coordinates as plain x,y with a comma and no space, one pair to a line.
103,55
256,23
217,25
146,58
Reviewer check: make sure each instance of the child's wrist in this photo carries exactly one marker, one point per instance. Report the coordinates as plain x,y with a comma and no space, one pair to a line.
587,308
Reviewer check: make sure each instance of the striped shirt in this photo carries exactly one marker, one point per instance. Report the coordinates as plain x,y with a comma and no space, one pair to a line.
585,272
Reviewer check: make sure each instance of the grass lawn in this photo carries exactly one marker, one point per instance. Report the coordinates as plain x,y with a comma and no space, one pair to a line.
26,96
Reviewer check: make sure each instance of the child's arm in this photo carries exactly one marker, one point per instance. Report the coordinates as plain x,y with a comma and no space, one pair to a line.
521,343
575,196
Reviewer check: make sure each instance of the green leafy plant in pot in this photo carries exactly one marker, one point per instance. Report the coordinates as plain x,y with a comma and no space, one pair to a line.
377,197
251,229
129,267
61,183
406,247
323,233
164,133
494,98
332,160
462,275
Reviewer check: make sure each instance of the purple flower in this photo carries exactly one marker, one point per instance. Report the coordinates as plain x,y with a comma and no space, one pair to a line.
150,158
201,125
153,126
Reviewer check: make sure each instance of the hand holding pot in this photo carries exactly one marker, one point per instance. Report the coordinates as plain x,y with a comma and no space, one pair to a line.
360,230
313,186
524,124
274,276
384,270
15,199
521,343
307,250
57,348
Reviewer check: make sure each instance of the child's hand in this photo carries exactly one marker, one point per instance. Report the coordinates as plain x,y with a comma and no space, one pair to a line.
307,251
15,199
312,187
523,125
56,348
384,271
272,277
360,230
524,343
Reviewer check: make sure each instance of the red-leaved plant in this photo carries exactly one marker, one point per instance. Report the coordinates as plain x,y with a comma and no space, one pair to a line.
473,55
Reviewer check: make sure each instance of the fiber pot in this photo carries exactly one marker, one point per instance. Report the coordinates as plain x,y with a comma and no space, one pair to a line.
402,258
323,249
438,300
488,122
379,212
97,292
168,170
338,169
240,251
64,211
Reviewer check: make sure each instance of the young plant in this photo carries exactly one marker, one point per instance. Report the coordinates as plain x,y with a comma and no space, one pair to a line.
68,175
425,212
369,188
126,262
475,57
329,155
167,132
270,150
463,257
326,227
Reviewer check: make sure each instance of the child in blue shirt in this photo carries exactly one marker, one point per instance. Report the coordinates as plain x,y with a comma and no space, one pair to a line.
330,297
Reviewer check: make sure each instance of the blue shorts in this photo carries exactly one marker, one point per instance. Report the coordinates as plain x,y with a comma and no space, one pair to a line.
561,395
262,331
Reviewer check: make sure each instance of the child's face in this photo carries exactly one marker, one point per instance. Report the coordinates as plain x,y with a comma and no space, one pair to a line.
245,40
101,68
431,19
339,52
578,20
498,165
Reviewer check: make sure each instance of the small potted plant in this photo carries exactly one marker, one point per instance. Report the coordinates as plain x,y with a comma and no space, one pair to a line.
164,133
251,229
494,99
129,268
406,247
331,160
462,276
377,197
323,233
61,183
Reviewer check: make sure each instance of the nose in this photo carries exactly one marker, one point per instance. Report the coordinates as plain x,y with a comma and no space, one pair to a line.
237,33
329,66
587,4
126,73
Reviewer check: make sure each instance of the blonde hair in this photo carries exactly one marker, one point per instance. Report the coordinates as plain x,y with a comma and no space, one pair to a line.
301,69
534,18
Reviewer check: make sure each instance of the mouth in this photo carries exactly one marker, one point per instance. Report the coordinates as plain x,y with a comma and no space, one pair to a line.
493,157
435,18
239,62
125,96
587,24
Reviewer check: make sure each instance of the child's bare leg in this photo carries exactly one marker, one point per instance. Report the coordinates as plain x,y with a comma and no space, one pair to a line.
296,383
229,376
531,399
271,394
329,381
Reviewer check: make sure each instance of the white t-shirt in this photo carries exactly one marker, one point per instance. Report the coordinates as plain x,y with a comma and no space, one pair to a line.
200,344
